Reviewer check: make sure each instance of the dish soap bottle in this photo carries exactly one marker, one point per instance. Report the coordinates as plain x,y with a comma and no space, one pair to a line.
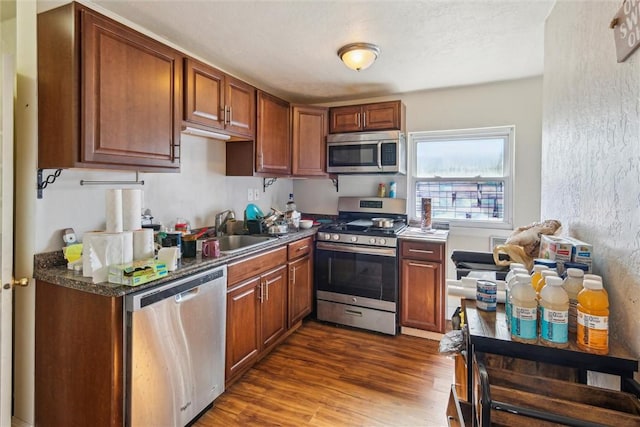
292,215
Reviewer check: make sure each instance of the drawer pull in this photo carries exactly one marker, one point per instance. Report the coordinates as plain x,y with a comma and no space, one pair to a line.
421,251
303,248
353,312
413,264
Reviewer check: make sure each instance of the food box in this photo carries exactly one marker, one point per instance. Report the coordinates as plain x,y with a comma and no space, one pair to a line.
555,248
582,252
137,272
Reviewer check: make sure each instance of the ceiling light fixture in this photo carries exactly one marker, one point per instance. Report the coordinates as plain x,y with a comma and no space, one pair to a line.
359,56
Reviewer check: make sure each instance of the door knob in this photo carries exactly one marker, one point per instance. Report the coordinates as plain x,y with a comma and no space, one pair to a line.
20,282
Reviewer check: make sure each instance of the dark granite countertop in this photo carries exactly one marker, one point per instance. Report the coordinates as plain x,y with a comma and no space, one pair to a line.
51,267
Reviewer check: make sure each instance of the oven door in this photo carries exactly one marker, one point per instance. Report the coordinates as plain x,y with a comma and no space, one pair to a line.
360,271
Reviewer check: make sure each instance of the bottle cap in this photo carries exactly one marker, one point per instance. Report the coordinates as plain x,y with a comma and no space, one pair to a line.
523,278
554,281
515,265
549,273
592,284
575,272
593,277
539,267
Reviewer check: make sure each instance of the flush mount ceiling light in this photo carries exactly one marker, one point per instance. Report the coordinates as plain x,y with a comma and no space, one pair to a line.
359,56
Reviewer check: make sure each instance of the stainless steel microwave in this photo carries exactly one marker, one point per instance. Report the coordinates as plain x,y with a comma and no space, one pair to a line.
367,152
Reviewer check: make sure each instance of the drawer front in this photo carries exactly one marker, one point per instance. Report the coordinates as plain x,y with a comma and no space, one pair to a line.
300,248
255,265
426,251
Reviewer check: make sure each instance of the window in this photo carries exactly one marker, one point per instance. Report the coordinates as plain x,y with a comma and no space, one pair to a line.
466,173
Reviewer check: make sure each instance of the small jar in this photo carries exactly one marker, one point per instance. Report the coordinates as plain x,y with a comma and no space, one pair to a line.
382,190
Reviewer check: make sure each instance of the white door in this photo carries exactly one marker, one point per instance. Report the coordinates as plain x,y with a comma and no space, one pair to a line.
6,238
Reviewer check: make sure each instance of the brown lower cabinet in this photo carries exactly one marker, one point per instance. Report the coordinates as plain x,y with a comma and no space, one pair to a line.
422,285
300,280
79,360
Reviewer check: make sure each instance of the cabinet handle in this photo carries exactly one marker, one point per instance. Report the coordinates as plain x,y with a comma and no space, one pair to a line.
224,115
293,273
421,251
260,295
302,248
230,114
358,119
414,264
364,120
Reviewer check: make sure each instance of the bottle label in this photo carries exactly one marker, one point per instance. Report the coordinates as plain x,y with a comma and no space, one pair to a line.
573,318
593,331
523,322
554,326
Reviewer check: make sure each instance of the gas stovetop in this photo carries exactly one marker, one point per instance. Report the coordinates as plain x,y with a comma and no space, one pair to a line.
355,221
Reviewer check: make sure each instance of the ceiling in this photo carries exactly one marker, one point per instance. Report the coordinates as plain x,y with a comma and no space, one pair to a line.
289,47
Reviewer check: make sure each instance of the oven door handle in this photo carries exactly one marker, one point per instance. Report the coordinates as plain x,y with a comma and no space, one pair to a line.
352,249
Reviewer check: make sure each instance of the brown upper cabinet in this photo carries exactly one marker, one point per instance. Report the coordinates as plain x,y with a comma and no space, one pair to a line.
273,135
216,101
109,97
308,140
367,117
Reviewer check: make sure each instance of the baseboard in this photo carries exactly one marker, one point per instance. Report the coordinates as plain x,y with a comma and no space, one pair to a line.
420,333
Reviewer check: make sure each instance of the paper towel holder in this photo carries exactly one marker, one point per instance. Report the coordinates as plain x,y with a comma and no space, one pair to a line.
138,181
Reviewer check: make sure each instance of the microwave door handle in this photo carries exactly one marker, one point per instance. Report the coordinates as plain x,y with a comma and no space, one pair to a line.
379,154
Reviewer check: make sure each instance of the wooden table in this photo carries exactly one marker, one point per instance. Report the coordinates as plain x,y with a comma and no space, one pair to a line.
488,333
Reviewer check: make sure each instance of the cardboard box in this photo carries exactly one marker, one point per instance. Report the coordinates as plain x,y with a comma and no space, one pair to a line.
582,252
555,248
137,272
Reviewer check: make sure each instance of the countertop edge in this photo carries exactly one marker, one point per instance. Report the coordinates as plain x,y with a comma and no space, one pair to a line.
60,275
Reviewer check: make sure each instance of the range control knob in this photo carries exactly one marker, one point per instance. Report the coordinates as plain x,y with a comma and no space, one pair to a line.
326,236
383,241
336,237
354,239
372,240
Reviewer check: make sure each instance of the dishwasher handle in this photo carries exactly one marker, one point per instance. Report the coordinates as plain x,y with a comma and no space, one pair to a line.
187,295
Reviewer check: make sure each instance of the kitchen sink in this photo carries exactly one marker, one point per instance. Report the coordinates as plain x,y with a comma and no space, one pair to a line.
237,242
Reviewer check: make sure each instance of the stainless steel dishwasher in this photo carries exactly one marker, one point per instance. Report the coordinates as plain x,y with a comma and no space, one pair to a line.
175,349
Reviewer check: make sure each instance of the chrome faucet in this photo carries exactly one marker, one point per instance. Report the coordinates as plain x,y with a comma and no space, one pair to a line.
221,221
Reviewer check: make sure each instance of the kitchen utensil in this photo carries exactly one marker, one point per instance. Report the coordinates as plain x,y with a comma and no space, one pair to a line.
306,223
382,222
278,229
253,212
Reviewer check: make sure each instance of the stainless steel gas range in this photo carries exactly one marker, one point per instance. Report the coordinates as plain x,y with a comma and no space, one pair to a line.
356,265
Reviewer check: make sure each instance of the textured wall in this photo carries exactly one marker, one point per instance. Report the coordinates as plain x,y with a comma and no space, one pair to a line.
590,150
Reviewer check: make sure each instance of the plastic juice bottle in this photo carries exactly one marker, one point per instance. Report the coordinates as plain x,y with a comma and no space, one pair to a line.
593,318
573,285
510,281
537,273
554,314
543,279
524,311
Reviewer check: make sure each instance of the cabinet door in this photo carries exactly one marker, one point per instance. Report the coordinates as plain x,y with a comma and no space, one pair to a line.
243,327
240,99
422,297
345,119
204,95
274,305
273,148
300,289
309,141
381,116
131,91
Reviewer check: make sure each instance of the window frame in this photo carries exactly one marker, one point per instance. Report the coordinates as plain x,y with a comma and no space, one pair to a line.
506,132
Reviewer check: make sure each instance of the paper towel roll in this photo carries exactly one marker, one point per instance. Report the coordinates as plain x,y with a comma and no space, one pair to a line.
113,210
127,246
131,209
143,244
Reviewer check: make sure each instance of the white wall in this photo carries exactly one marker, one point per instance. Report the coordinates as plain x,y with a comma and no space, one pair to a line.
197,193
517,102
591,150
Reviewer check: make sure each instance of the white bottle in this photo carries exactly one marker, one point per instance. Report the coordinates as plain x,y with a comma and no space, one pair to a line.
524,311
573,285
554,314
510,281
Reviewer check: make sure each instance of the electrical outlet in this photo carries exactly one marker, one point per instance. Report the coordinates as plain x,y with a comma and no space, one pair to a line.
250,195
256,194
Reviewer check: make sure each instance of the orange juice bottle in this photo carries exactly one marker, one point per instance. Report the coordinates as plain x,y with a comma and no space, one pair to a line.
593,318
543,280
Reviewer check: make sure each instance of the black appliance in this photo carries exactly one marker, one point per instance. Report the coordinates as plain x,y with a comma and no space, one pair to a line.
356,267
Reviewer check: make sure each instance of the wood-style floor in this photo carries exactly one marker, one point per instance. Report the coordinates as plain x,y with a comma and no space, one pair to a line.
324,375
